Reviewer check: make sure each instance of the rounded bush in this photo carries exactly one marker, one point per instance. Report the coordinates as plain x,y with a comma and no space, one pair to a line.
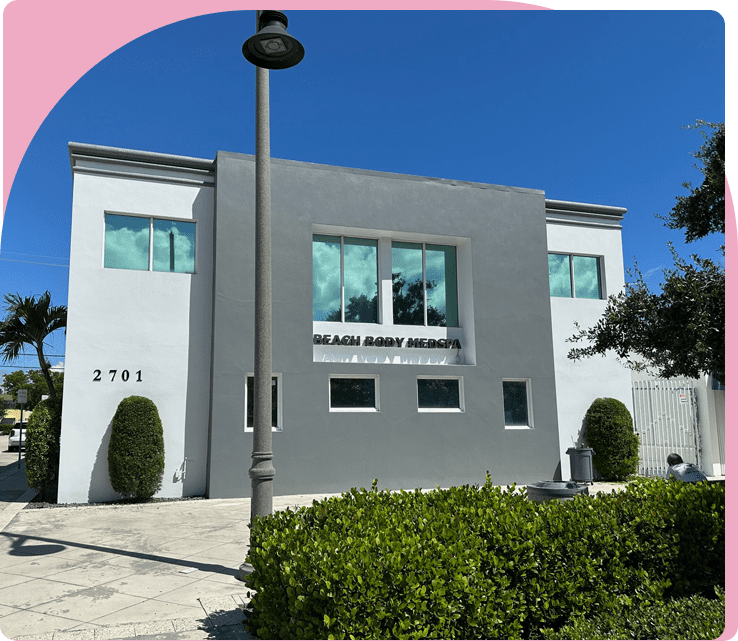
42,447
136,450
610,434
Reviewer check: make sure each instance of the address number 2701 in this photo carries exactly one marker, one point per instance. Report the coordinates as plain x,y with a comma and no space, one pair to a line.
124,376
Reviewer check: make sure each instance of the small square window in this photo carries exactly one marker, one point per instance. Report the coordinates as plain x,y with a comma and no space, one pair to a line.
516,404
440,394
276,403
354,393
126,242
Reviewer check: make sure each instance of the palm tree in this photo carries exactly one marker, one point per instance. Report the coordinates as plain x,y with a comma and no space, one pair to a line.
29,322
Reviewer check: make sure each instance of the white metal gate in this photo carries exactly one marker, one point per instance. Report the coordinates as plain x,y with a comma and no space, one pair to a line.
665,416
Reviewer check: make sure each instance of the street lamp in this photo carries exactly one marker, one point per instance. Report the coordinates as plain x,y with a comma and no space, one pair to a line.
270,48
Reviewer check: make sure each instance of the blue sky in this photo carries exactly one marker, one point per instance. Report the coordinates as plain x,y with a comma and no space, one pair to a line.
588,106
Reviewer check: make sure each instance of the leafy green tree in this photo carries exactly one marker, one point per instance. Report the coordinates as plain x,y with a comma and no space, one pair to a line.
681,331
703,211
29,322
34,382
611,435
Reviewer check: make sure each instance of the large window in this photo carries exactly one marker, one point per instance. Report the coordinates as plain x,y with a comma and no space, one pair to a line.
440,394
345,279
516,403
149,244
424,288
276,404
358,393
571,276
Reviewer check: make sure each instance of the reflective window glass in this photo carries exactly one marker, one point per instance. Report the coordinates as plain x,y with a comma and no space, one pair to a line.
326,278
586,276
126,242
407,284
440,277
515,397
559,275
439,393
360,280
353,393
174,246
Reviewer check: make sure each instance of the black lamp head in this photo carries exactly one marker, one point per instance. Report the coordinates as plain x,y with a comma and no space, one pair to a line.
272,47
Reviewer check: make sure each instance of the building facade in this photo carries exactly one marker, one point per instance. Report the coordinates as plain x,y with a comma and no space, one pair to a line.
419,324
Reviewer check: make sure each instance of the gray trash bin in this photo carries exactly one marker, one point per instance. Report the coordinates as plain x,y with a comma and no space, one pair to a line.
580,461
561,490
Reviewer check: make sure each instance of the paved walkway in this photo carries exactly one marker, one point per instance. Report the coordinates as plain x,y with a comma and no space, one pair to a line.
150,571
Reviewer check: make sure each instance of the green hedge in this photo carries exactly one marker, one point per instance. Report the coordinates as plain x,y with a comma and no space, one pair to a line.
478,562
136,449
42,448
692,617
610,434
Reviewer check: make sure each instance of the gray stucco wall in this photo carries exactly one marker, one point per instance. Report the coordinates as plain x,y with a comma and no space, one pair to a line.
322,451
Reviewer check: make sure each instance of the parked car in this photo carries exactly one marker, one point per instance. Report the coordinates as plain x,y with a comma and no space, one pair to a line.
17,438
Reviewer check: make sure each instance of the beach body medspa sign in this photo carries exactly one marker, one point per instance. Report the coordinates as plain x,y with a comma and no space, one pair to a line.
386,341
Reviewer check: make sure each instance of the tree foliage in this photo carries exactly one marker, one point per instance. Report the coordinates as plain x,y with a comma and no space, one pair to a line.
681,331
29,322
611,435
42,448
703,211
34,382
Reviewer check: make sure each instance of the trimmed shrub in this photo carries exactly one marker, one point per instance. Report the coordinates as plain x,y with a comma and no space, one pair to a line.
692,617
610,434
477,562
136,450
42,448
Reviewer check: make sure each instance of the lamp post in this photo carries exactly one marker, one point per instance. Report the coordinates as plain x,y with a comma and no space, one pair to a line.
270,48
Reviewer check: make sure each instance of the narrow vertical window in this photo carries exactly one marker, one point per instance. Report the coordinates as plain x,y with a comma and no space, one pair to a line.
559,275
516,403
326,278
360,280
126,242
440,276
586,270
408,293
174,246
250,401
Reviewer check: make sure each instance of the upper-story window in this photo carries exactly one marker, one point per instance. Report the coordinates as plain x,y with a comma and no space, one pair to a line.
424,288
149,244
571,276
345,279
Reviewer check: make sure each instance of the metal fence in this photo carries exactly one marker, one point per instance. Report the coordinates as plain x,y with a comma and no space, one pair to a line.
666,420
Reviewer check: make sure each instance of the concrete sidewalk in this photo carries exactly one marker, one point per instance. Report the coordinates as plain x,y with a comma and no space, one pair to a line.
148,571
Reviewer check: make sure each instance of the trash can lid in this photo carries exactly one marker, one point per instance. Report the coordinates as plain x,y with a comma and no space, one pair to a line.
558,488
579,449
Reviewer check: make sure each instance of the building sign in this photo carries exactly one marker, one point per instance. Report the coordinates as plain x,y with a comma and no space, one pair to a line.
386,341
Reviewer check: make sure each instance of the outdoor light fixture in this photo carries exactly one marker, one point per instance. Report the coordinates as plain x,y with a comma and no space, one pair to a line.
272,47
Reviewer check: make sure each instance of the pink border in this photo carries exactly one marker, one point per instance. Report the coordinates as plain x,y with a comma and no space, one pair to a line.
43,58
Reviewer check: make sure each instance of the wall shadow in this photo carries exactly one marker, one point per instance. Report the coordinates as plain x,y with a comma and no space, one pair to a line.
100,486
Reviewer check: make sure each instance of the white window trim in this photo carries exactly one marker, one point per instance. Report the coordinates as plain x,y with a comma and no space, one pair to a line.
279,427
529,399
151,219
441,410
355,409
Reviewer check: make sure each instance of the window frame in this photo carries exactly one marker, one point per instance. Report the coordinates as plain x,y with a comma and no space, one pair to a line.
440,410
529,403
572,278
151,219
374,409
342,287
423,248
279,427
